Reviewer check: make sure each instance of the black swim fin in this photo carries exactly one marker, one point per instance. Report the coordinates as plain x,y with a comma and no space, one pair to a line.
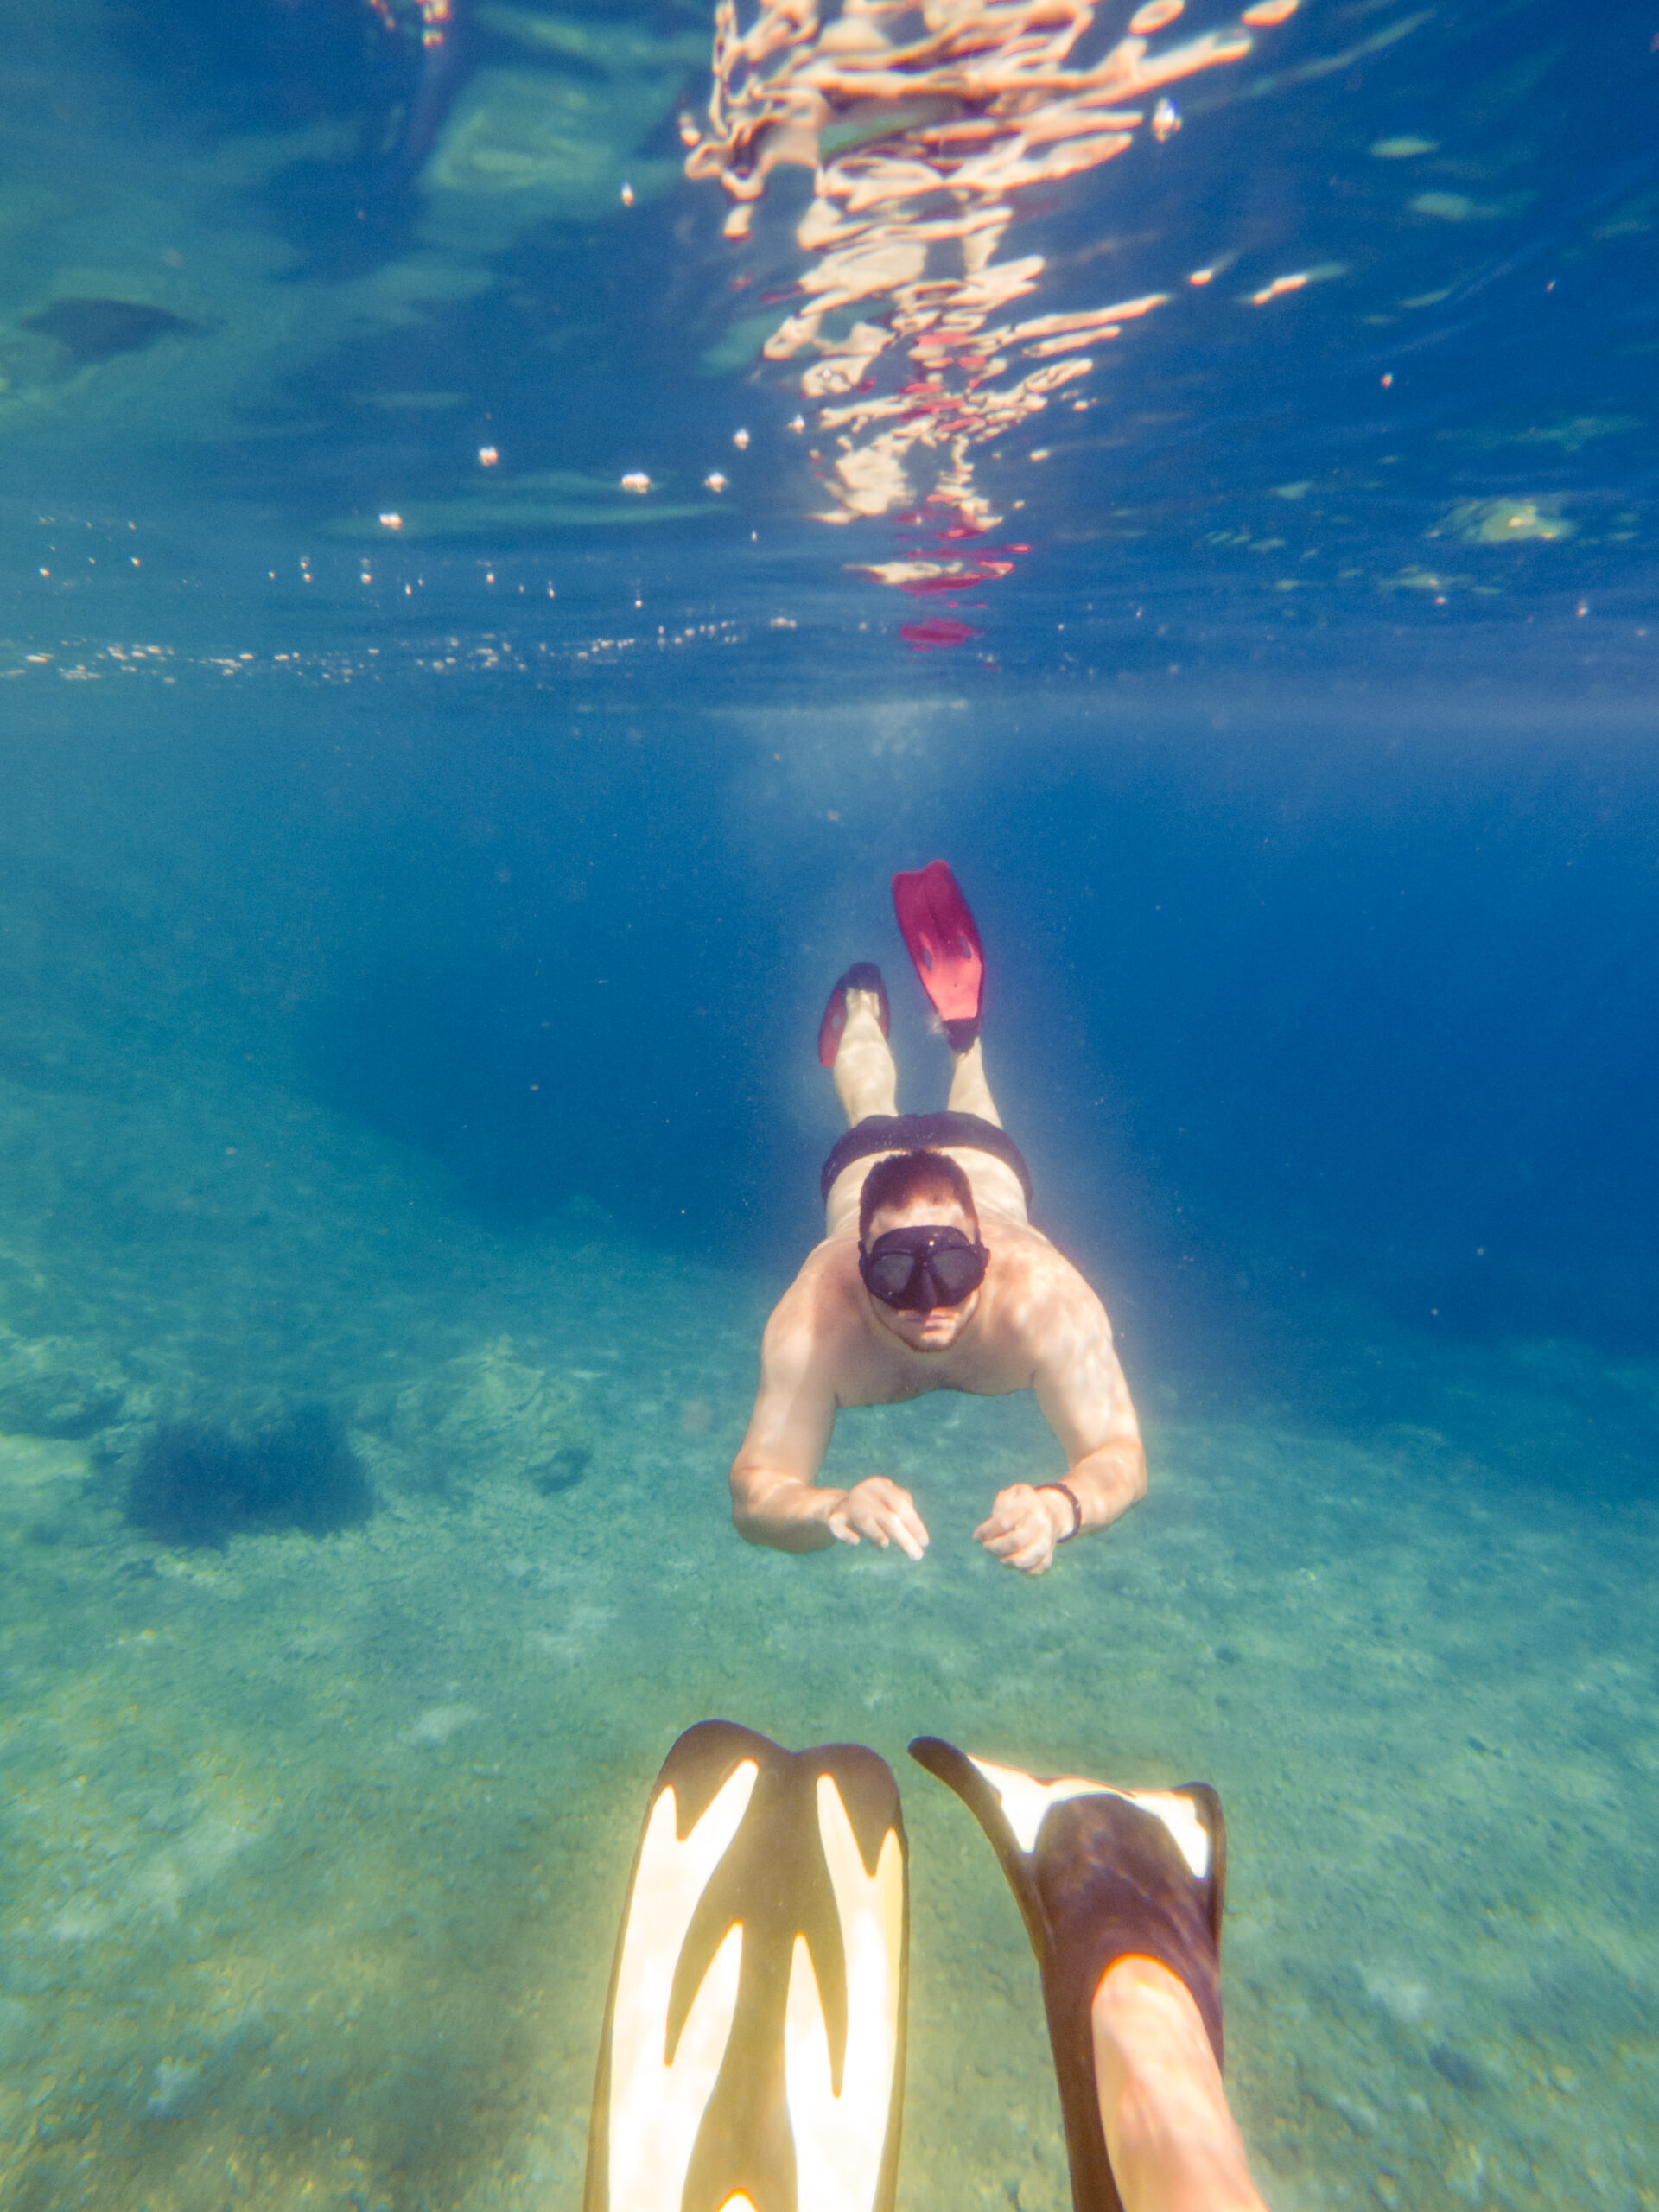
1099,1874
863,975
753,2057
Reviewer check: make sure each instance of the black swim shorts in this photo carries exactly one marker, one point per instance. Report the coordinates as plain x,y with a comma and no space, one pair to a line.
923,1133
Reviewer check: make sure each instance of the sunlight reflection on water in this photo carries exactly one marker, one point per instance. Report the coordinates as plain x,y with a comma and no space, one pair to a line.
919,125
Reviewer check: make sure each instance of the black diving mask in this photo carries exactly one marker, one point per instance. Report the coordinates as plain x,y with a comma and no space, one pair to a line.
918,1269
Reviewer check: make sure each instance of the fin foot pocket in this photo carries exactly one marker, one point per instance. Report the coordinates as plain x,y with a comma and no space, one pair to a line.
753,2047
863,975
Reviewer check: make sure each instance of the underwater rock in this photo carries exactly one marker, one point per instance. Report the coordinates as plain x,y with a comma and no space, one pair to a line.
176,2088
1457,2067
491,1413
438,1723
47,1389
196,1484
90,331
563,1471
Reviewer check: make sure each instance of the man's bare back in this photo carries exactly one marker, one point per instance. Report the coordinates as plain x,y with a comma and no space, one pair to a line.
1032,1323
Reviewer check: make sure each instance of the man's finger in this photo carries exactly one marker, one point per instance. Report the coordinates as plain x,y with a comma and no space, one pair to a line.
999,1518
911,1521
903,1536
1030,1558
1022,1545
893,1511
1008,1538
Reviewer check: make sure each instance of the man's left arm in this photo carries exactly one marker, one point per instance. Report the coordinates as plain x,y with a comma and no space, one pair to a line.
1085,1401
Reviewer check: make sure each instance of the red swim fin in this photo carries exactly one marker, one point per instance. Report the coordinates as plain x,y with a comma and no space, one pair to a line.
943,942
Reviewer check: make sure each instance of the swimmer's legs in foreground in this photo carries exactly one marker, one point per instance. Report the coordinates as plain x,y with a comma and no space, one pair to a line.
755,2027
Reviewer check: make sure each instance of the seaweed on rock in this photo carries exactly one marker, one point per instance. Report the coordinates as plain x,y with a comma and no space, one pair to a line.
196,1484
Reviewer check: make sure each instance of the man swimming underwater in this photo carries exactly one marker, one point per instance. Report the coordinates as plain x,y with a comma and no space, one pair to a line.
929,1277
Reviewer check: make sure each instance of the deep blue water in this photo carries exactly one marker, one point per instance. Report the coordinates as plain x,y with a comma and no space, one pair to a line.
424,861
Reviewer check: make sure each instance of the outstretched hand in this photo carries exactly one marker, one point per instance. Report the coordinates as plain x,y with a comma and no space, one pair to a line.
878,1509
1024,1525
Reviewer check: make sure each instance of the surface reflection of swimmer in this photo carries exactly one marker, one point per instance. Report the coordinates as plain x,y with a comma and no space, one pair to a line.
929,1277
753,2047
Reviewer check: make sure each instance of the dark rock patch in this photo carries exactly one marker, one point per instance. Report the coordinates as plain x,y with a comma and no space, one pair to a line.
1457,2067
563,1471
196,1484
98,330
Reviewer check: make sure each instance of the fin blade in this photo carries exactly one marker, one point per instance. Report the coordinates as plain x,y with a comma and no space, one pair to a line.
649,2102
752,2051
958,1772
943,940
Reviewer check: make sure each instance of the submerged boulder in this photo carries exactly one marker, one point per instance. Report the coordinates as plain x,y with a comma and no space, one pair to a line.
49,1387
490,1415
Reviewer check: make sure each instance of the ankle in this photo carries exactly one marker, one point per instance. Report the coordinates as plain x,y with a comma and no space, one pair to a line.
863,1014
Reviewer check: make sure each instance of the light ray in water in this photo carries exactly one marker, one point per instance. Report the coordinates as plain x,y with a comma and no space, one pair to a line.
921,125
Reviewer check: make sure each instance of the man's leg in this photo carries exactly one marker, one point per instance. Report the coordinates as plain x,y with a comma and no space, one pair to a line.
866,1080
1173,2144
969,1092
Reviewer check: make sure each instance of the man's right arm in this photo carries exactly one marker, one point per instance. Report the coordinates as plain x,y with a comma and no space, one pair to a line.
775,1499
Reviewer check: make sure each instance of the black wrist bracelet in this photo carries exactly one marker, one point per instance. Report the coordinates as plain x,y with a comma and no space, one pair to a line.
1066,1492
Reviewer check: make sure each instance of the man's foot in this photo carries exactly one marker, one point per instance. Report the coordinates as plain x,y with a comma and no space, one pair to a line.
863,975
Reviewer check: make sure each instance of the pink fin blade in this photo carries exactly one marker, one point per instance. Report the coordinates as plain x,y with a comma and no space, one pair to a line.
943,940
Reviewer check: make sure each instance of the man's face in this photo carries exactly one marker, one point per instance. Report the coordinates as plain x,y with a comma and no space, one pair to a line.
937,1329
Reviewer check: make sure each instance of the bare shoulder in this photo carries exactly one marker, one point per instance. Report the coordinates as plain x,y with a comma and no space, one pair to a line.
813,1316
1040,1284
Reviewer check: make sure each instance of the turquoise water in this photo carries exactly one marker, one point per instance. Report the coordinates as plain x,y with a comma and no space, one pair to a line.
413,935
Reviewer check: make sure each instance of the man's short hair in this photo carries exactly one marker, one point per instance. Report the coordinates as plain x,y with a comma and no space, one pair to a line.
904,1177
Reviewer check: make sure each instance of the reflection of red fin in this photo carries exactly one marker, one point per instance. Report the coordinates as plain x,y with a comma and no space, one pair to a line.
942,941
931,637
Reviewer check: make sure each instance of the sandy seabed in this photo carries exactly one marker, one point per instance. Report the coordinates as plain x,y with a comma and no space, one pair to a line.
315,1845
